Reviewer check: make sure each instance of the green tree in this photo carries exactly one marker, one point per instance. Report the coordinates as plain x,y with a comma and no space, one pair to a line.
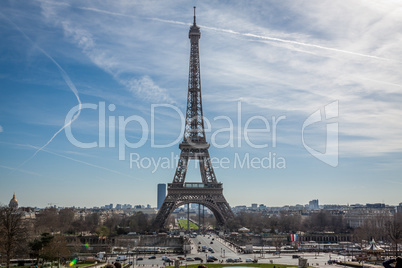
102,231
37,245
56,249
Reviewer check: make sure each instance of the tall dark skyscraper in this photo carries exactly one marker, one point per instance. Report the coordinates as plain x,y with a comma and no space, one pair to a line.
161,194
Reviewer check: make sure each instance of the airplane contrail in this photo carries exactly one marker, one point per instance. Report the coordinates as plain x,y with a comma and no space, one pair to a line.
297,43
68,81
88,164
60,155
21,170
245,34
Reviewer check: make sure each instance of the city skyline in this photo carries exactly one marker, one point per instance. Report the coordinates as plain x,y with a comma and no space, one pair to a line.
300,102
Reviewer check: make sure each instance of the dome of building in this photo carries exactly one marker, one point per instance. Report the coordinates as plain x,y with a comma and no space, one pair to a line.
13,202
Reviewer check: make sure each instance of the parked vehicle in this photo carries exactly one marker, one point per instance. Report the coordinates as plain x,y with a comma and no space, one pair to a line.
189,259
197,258
230,260
152,258
212,257
140,258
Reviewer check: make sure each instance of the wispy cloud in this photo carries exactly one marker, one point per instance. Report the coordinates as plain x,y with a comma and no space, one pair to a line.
66,78
1,129
147,88
21,170
143,87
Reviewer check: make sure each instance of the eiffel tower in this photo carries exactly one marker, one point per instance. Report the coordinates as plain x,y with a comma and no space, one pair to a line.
209,192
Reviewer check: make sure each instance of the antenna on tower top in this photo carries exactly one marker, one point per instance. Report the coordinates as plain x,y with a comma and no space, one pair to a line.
194,15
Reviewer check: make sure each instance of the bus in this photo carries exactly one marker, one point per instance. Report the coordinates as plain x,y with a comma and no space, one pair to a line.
22,262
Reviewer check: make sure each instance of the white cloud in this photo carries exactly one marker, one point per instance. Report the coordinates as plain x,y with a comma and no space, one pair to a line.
146,88
1,129
324,53
109,59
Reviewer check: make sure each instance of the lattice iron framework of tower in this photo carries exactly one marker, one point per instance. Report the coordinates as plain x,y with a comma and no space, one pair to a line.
209,192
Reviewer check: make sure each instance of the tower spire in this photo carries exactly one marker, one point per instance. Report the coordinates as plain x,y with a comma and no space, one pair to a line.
194,16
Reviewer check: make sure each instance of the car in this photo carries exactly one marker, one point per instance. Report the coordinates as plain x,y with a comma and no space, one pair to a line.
251,260
140,258
189,259
197,258
180,258
230,260
211,242
164,258
210,260
212,257
152,258
295,256
237,260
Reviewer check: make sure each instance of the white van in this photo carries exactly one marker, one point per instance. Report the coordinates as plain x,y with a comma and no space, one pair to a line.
121,258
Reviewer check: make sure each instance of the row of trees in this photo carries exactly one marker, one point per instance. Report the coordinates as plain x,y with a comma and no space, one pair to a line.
44,237
380,228
51,220
39,237
317,222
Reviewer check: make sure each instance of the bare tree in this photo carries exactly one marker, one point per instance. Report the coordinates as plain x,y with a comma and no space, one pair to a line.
394,230
12,232
47,220
66,218
277,241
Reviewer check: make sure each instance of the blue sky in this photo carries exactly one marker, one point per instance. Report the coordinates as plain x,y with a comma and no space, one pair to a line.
126,64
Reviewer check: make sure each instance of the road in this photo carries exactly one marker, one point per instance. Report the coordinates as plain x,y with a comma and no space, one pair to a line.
223,251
